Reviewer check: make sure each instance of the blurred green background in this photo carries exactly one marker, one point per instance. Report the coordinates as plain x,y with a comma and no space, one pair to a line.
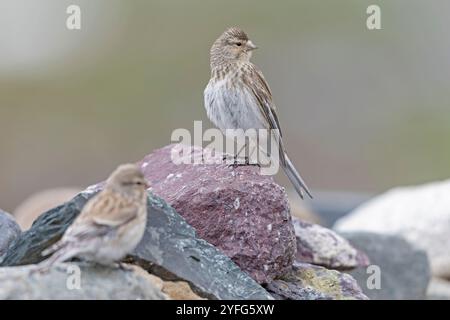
361,110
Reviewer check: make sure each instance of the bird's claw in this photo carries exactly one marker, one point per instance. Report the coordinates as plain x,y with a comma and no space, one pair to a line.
239,162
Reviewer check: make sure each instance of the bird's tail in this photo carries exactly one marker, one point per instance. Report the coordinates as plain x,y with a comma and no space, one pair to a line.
294,176
287,165
55,247
62,251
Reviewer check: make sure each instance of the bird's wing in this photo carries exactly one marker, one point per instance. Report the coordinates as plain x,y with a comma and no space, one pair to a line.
105,212
257,85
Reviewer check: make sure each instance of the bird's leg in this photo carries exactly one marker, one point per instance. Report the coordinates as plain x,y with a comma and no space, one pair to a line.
236,163
246,158
244,148
236,158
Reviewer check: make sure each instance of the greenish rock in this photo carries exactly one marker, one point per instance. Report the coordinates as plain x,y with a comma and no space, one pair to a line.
76,282
169,249
309,282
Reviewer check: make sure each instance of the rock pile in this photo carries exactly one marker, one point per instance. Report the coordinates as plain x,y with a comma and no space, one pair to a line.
214,231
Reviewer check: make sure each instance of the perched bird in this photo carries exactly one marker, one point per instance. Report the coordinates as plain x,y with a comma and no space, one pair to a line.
238,97
110,225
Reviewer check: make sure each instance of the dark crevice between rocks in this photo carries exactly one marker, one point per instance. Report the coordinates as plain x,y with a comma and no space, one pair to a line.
166,275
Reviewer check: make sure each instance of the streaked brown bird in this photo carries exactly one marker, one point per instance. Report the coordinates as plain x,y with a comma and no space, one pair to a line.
238,96
110,225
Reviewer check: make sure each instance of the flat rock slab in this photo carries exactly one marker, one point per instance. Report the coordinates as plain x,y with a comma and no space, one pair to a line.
73,282
170,249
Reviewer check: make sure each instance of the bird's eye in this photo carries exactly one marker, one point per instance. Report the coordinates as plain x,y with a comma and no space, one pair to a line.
239,44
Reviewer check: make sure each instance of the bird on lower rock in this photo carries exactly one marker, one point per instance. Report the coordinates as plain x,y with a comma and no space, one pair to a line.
110,225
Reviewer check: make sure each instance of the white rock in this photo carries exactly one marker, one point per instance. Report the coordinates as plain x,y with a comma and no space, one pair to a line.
421,214
438,289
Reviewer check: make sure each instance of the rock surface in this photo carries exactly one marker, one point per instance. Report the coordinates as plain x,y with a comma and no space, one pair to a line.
169,248
438,289
309,282
243,213
321,246
421,214
179,290
9,231
404,269
176,290
97,283
46,230
28,211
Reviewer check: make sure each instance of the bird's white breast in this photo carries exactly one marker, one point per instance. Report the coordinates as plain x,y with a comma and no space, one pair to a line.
232,106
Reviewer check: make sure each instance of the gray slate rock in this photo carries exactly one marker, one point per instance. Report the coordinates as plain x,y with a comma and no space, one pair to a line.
97,283
321,246
310,282
9,231
45,231
170,249
404,269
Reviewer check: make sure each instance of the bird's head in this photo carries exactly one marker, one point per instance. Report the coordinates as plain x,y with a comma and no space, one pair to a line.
232,46
129,180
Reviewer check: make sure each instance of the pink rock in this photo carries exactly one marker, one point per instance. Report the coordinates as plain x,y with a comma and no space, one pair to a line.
241,212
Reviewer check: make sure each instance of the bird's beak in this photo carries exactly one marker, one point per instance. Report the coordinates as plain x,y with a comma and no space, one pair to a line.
147,185
251,46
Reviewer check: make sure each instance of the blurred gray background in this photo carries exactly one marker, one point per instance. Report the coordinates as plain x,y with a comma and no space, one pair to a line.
361,110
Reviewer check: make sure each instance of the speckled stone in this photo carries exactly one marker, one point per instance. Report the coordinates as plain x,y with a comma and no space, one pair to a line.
243,213
324,247
310,282
169,249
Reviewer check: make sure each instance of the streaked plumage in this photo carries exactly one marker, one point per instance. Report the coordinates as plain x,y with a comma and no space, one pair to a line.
110,225
238,97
